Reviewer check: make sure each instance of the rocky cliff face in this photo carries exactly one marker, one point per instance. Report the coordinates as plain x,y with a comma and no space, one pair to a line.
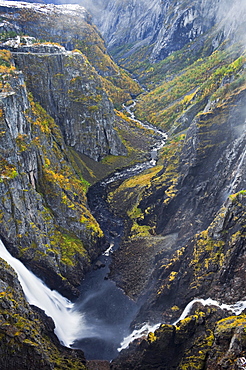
185,217
158,28
71,26
72,93
211,266
44,217
143,31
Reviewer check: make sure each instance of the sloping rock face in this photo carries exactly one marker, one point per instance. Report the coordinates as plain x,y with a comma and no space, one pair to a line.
209,337
72,93
160,27
69,25
65,83
154,30
27,340
212,265
214,148
44,216
181,197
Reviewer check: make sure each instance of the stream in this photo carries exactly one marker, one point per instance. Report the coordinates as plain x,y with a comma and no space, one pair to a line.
99,322
107,311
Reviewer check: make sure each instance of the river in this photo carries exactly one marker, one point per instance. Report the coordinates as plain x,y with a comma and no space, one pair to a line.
100,320
106,310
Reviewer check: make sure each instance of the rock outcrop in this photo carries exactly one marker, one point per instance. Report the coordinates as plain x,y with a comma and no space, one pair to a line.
209,337
136,31
211,265
159,28
203,340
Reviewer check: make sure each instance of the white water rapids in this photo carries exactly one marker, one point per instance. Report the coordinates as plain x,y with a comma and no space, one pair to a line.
140,167
160,143
68,323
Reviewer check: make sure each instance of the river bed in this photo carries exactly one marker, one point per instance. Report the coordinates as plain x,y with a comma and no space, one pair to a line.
107,310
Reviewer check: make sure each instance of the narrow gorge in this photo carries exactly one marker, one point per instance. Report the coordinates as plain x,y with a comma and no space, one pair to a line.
122,185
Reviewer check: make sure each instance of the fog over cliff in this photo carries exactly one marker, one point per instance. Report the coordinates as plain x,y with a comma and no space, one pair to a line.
140,23
231,15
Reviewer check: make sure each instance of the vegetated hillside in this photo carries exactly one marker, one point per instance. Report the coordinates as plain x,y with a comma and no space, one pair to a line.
197,95
203,160
44,215
69,25
43,197
45,222
185,217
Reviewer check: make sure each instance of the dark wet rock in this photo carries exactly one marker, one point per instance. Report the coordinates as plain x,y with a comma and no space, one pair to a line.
212,265
99,265
186,344
98,365
113,233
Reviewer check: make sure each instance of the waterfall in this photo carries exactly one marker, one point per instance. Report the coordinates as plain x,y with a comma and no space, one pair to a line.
237,308
138,333
237,173
68,322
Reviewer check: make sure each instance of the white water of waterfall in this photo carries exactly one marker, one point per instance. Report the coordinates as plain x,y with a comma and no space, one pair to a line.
237,173
138,333
237,308
68,323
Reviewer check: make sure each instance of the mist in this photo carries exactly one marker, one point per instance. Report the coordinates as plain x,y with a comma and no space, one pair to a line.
232,19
